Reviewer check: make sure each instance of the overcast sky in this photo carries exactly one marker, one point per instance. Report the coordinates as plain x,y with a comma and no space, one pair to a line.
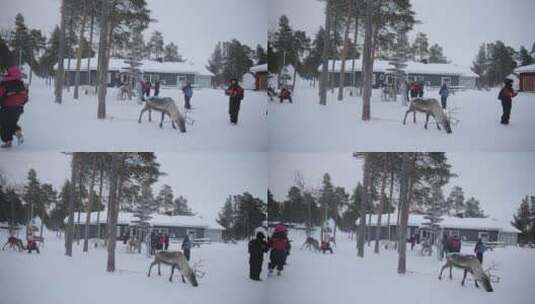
498,180
459,26
205,179
195,26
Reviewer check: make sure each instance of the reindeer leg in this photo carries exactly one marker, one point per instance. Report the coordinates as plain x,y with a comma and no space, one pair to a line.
159,272
464,277
161,122
150,267
173,124
406,114
141,113
441,270
426,120
438,125
451,277
414,117
172,272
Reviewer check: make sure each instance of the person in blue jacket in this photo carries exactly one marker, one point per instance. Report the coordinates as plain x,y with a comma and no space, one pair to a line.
444,94
480,249
186,247
188,93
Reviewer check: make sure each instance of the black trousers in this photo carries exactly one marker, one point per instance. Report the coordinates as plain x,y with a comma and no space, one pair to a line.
255,268
187,104
277,259
480,257
187,254
506,105
444,101
9,117
289,98
234,109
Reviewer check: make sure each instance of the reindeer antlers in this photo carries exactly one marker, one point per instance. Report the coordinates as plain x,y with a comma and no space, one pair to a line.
452,115
492,277
198,268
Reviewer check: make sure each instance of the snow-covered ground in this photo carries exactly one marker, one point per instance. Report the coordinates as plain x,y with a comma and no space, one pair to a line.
344,278
309,277
73,126
51,277
305,126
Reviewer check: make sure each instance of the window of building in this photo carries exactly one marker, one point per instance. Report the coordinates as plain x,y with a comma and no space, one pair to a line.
454,233
484,236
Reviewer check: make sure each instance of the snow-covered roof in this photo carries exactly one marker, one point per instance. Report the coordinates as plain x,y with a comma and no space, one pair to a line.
147,66
127,218
526,69
450,222
412,68
259,68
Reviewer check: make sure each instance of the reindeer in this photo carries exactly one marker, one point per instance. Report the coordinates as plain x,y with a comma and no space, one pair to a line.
14,243
178,260
311,244
469,263
431,107
167,106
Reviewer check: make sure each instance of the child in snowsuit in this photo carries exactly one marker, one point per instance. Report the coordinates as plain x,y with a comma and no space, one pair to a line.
157,88
285,94
506,96
13,96
188,93
479,250
257,248
148,86
32,245
414,89
235,93
444,93
186,247
280,249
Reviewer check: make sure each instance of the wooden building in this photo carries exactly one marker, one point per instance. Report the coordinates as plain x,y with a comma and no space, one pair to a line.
526,74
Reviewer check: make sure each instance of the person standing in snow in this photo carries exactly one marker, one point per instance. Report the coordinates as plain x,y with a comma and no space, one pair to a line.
148,86
444,94
280,249
166,241
257,248
414,89
479,249
235,93
13,97
157,88
188,93
186,247
506,96
285,94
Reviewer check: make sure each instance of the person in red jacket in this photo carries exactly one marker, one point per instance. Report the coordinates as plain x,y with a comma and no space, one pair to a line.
13,96
506,96
280,249
285,94
235,93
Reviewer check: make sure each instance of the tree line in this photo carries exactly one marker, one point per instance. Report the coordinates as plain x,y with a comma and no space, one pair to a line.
495,61
241,215
524,220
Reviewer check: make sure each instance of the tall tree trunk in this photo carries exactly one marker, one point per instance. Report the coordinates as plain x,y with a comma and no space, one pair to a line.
81,47
112,207
71,12
367,63
363,207
100,198
324,77
103,63
404,209
334,47
60,73
89,208
69,230
344,53
80,205
353,76
391,201
91,42
382,202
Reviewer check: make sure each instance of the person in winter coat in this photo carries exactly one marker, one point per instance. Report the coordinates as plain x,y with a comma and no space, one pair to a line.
421,86
148,86
13,97
153,242
157,88
188,93
479,249
280,249
235,93
166,242
414,89
506,96
257,248
444,94
186,247
413,241
285,94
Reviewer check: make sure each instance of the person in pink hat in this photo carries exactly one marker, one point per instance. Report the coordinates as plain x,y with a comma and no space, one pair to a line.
13,96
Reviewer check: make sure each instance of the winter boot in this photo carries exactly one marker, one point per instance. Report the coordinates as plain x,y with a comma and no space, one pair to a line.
20,138
6,145
278,273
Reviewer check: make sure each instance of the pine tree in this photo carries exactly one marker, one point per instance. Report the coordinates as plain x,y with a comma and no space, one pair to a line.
226,218
524,57
433,216
142,214
524,219
181,206
480,65
156,45
170,53
165,200
216,64
455,202
237,60
472,208
260,55
20,41
436,54
420,48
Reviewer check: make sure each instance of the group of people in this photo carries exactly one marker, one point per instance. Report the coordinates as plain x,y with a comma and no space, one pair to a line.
13,97
146,87
279,247
160,241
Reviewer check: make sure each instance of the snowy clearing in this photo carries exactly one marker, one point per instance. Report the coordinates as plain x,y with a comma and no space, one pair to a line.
307,126
51,277
344,278
73,126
